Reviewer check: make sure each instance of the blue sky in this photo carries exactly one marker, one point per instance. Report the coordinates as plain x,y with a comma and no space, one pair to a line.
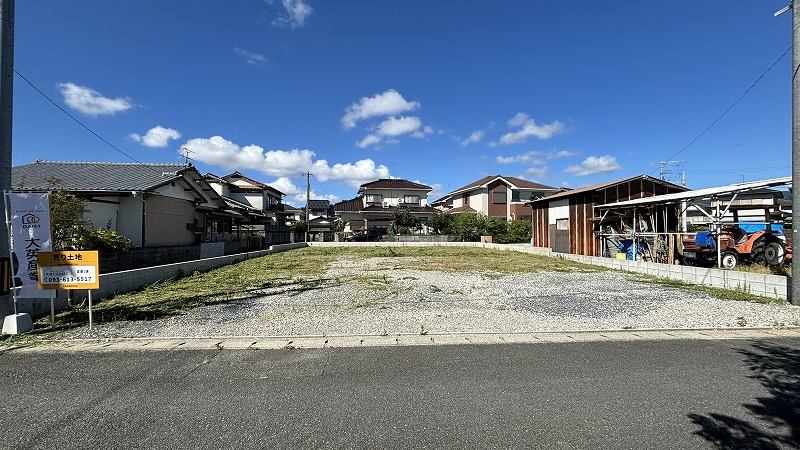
438,92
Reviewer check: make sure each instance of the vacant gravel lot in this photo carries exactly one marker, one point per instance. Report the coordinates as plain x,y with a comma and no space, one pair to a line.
378,296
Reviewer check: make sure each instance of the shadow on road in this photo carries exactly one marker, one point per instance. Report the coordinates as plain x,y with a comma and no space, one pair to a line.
775,420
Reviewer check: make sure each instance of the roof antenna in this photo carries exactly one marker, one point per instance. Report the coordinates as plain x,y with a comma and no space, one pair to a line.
185,153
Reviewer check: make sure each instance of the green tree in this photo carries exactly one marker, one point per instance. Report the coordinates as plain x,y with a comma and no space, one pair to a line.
65,220
441,223
403,221
71,232
518,231
299,227
338,225
495,227
469,227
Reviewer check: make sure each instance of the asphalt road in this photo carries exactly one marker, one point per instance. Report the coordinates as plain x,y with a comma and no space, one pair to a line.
677,394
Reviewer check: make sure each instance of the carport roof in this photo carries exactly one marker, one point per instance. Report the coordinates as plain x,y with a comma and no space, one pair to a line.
699,193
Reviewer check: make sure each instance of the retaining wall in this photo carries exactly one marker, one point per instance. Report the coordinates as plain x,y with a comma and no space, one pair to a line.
131,280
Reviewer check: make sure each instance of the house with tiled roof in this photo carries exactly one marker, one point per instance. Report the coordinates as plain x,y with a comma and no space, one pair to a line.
151,204
379,199
265,218
495,196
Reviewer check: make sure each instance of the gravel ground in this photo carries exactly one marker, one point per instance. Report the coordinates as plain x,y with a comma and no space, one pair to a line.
375,297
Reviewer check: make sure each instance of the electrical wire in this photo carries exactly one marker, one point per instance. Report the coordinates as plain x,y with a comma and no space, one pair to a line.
730,107
81,123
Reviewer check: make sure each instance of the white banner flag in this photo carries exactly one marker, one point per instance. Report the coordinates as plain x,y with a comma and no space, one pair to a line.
30,234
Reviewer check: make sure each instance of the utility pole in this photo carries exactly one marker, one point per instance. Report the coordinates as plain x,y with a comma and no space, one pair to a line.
794,294
308,200
6,110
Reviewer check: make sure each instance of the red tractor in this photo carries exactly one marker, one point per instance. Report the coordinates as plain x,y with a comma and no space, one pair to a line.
736,245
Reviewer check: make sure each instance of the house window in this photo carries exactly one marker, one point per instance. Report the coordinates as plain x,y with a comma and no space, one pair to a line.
499,197
515,197
374,198
411,199
562,224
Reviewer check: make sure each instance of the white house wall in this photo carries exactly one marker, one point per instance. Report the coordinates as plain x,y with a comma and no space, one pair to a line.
103,215
394,197
177,191
130,219
559,209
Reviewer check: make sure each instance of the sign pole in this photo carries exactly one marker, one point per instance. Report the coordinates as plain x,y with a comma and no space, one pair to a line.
6,207
90,309
52,309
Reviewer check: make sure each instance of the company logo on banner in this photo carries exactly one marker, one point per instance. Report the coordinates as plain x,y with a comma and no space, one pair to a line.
30,234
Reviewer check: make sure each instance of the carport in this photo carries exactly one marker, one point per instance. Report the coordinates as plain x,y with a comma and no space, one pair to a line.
661,219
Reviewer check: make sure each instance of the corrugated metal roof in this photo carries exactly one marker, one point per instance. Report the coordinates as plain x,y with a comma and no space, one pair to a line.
603,186
700,193
94,176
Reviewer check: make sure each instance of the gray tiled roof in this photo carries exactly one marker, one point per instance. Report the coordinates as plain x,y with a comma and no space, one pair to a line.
94,176
352,205
319,205
517,182
394,183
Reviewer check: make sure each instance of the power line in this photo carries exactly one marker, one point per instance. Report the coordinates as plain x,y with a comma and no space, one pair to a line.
78,121
729,108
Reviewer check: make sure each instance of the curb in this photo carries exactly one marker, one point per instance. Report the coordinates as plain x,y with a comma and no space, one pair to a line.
395,340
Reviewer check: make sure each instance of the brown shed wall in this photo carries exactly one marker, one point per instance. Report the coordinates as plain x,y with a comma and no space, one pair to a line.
539,229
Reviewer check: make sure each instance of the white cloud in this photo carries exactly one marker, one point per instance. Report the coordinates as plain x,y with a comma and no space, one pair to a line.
396,127
435,194
525,158
250,57
385,104
561,154
157,136
538,172
529,128
370,139
595,164
354,174
388,131
421,133
473,138
91,102
295,14
296,195
223,153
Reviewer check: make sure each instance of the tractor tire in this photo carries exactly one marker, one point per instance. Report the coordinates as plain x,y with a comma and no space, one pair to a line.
757,252
729,260
774,253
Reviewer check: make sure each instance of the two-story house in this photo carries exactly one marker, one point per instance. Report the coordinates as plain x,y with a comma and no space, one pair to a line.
261,206
495,196
378,200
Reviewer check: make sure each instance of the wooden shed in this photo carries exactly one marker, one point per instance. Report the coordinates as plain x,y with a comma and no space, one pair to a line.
566,222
